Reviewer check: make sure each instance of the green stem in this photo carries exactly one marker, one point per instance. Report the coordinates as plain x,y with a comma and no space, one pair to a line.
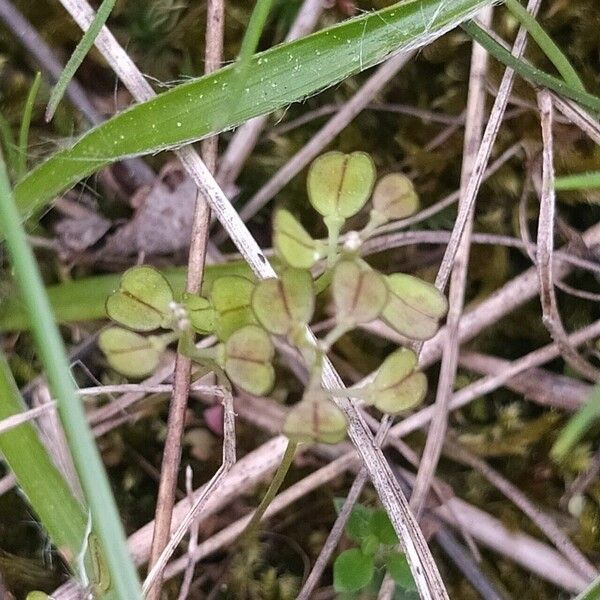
188,348
578,181
545,42
254,30
577,426
25,125
334,226
282,469
83,47
105,517
528,71
592,592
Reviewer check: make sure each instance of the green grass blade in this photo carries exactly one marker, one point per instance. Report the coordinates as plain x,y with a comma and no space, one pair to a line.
254,30
528,71
46,490
25,125
276,77
105,517
578,181
85,299
9,145
577,426
83,47
546,43
592,592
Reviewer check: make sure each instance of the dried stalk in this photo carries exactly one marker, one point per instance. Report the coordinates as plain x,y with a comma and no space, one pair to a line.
473,130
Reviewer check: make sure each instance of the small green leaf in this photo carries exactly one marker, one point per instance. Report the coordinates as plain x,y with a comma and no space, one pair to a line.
248,356
283,304
381,527
231,297
359,294
352,571
130,353
36,595
414,306
398,568
395,197
397,385
340,184
357,527
315,419
293,243
201,313
142,301
369,545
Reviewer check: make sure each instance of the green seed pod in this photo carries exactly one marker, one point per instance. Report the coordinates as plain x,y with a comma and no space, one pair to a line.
248,354
315,419
231,298
339,185
201,313
397,386
360,294
414,306
284,304
395,197
142,301
293,243
130,353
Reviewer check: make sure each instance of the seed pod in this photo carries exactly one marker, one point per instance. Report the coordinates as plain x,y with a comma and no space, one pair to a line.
142,301
394,197
414,307
315,419
200,312
360,294
340,184
293,243
231,298
248,354
129,353
283,304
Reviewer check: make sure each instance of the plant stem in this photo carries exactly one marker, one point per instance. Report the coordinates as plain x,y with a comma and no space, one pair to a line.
545,42
25,125
105,517
282,469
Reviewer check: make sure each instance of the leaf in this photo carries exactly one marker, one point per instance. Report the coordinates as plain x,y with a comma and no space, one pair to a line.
397,385
414,306
395,197
284,304
315,419
293,243
357,527
142,301
277,77
247,362
340,184
201,313
359,294
352,571
381,527
231,297
398,568
129,353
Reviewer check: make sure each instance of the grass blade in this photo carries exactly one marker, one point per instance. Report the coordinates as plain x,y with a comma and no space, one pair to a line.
546,43
528,71
105,517
46,490
83,47
276,77
578,181
25,124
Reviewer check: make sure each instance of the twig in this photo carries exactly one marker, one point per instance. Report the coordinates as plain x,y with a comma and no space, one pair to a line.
16,420
183,365
473,130
245,138
229,457
542,520
545,249
578,116
483,154
193,543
